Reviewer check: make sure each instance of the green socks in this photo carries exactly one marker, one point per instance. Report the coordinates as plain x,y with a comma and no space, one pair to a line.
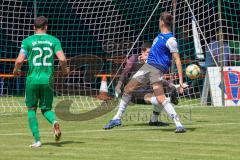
50,116
33,124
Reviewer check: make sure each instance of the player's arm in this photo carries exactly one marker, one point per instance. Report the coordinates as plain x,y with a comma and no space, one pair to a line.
127,69
124,75
173,47
61,57
63,62
19,61
177,60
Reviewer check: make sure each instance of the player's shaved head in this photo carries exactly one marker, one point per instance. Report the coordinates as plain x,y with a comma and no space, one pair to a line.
40,22
167,18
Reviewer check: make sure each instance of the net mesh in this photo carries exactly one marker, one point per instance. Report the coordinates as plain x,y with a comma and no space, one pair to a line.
98,35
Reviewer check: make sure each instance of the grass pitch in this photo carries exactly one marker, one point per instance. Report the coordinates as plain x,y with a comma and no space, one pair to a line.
213,134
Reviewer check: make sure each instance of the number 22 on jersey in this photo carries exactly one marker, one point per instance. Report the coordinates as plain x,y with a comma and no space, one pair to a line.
40,54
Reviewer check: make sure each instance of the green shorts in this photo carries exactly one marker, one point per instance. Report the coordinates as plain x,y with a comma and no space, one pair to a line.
39,95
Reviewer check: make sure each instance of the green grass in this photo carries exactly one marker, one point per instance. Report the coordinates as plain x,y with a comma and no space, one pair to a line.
213,134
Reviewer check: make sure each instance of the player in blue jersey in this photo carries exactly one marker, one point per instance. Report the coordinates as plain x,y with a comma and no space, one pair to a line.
163,50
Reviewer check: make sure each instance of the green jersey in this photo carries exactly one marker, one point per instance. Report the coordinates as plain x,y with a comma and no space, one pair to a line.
40,50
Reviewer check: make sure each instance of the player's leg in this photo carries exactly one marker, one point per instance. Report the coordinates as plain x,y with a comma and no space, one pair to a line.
46,100
126,98
139,79
31,98
161,98
172,91
149,98
155,78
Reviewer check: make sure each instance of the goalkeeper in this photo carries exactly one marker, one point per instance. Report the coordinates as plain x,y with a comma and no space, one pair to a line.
40,50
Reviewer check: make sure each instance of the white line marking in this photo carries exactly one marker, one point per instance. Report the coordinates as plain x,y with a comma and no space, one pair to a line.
119,129
6,123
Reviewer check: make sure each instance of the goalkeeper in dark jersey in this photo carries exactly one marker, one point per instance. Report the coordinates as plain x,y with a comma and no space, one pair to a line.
40,50
134,63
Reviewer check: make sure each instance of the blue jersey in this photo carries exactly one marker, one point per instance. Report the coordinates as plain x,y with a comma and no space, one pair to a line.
160,55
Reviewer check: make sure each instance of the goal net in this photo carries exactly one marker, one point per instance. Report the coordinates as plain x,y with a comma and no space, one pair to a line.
99,35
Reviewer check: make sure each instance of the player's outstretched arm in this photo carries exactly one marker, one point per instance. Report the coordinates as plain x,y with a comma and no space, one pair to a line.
18,63
177,59
63,62
128,68
124,75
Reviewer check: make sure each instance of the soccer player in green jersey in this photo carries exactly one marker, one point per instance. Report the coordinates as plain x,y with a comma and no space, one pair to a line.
40,50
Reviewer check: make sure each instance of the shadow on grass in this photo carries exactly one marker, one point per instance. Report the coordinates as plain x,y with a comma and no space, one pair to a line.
151,128
60,144
171,129
146,124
